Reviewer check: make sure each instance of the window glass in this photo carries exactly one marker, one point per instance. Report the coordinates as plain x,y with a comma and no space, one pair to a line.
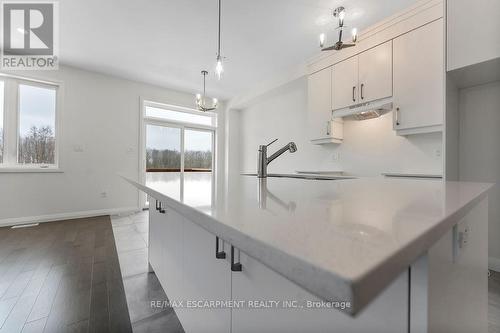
163,159
200,119
198,167
37,125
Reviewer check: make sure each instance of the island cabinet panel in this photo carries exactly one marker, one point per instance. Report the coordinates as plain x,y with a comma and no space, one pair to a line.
182,255
206,279
154,251
419,80
387,313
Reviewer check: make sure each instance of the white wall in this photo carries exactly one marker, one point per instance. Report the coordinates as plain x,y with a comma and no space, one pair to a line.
479,152
101,114
370,147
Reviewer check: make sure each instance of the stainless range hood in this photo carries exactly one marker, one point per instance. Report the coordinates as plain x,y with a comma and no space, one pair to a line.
367,110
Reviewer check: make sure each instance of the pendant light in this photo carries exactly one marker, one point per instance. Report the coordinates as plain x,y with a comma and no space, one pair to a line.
201,100
218,65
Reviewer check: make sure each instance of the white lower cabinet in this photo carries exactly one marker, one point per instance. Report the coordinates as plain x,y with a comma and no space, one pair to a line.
388,313
154,251
182,255
206,278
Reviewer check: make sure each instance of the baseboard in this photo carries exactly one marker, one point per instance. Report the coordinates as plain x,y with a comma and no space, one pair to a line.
66,216
494,264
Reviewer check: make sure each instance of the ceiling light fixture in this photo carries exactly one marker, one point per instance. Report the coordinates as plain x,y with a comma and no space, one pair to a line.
218,66
338,13
201,103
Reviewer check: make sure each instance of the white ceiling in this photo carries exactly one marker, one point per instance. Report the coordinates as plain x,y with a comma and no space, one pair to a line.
168,42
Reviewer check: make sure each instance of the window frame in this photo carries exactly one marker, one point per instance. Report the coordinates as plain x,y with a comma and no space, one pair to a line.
11,125
176,108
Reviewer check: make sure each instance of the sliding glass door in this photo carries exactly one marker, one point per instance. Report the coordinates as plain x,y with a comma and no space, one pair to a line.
178,155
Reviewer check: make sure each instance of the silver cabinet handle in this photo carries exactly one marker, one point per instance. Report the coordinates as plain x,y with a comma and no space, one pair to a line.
353,94
328,128
397,117
362,86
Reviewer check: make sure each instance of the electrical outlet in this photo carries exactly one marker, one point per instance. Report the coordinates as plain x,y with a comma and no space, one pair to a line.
335,156
104,194
461,234
78,148
437,152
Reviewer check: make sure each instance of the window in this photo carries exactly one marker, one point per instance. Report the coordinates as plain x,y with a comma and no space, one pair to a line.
28,124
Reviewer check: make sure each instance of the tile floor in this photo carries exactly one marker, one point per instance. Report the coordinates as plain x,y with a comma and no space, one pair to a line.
141,287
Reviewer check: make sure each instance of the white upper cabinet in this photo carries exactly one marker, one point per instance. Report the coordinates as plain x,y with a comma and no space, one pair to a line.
321,128
419,80
375,73
345,83
363,78
473,32
319,103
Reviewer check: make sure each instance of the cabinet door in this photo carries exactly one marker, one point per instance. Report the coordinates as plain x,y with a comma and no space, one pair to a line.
419,77
345,83
472,43
206,278
375,73
170,237
387,313
319,103
154,248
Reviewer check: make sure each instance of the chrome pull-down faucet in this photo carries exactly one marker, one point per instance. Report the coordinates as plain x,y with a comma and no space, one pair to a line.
263,160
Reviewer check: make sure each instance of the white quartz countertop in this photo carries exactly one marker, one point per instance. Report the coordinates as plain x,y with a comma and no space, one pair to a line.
342,240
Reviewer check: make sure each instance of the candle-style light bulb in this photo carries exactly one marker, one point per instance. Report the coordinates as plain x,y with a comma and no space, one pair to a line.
218,67
322,38
342,16
354,35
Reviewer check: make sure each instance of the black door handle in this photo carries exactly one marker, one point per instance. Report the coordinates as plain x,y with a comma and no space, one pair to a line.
160,209
157,206
235,267
219,254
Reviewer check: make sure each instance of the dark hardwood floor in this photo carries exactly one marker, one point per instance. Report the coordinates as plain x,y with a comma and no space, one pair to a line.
62,277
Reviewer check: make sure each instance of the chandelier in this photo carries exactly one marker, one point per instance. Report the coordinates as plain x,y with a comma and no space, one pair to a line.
201,100
338,13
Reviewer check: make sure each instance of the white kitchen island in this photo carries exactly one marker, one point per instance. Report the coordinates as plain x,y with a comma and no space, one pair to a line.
350,255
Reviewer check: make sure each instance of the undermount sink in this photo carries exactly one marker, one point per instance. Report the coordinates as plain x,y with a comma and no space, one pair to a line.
300,176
